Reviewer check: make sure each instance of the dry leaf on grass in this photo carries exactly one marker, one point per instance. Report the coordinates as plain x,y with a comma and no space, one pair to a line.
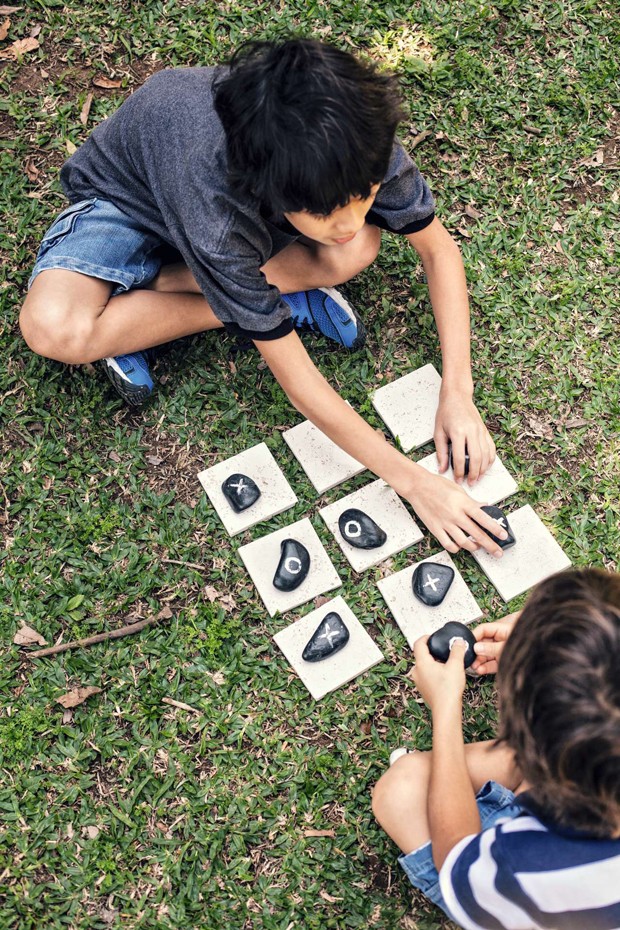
593,161
575,422
4,29
540,427
28,637
328,897
9,9
107,83
77,696
472,213
19,48
228,602
320,833
86,110
32,172
211,593
71,149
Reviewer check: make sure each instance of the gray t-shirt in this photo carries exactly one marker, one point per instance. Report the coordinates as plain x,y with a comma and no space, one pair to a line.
161,158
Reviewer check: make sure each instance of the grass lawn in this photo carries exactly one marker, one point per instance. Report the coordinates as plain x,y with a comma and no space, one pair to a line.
130,812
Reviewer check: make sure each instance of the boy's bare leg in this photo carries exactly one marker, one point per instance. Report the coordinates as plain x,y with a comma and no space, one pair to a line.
399,800
70,317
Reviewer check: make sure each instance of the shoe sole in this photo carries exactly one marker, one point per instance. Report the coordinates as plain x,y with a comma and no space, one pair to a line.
132,394
338,298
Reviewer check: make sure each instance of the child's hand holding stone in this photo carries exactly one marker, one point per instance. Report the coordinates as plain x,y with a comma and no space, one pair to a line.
439,683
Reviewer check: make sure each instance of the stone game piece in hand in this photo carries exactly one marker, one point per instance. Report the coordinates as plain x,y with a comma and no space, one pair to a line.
293,566
240,492
500,517
441,641
431,582
466,469
360,530
330,637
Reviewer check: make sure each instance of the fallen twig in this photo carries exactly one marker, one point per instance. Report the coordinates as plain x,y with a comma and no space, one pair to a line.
533,130
200,568
419,139
164,614
180,705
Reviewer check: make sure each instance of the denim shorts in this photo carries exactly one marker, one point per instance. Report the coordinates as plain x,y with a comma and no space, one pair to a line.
97,239
495,805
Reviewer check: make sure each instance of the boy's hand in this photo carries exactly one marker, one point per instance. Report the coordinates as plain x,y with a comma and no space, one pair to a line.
452,516
439,682
458,421
490,640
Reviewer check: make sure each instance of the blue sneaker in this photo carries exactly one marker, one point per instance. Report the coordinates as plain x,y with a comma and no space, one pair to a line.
130,376
324,310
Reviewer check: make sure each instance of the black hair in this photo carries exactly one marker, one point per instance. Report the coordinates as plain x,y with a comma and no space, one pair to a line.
307,125
559,696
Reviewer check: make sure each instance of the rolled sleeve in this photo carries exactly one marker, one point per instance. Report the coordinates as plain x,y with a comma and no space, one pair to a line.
404,203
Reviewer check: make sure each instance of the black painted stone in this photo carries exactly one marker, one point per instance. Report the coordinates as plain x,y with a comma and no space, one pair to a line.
330,637
360,530
431,582
466,471
240,492
439,642
498,515
293,566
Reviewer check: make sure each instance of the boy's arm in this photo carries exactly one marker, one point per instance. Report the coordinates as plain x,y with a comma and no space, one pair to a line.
457,417
452,810
445,508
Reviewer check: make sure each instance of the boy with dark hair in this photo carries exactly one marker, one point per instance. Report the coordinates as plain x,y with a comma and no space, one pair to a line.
539,844
271,180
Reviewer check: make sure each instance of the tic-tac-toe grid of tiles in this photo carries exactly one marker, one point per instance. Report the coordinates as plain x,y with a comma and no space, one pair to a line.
408,406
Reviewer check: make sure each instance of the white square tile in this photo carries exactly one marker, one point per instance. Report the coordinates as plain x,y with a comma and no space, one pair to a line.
325,463
408,406
385,507
495,485
261,558
259,464
359,654
416,619
534,557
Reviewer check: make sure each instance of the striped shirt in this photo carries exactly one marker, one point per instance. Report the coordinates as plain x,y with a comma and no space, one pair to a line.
524,875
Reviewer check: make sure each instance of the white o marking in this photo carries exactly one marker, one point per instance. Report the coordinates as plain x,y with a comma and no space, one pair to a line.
457,639
288,565
350,532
